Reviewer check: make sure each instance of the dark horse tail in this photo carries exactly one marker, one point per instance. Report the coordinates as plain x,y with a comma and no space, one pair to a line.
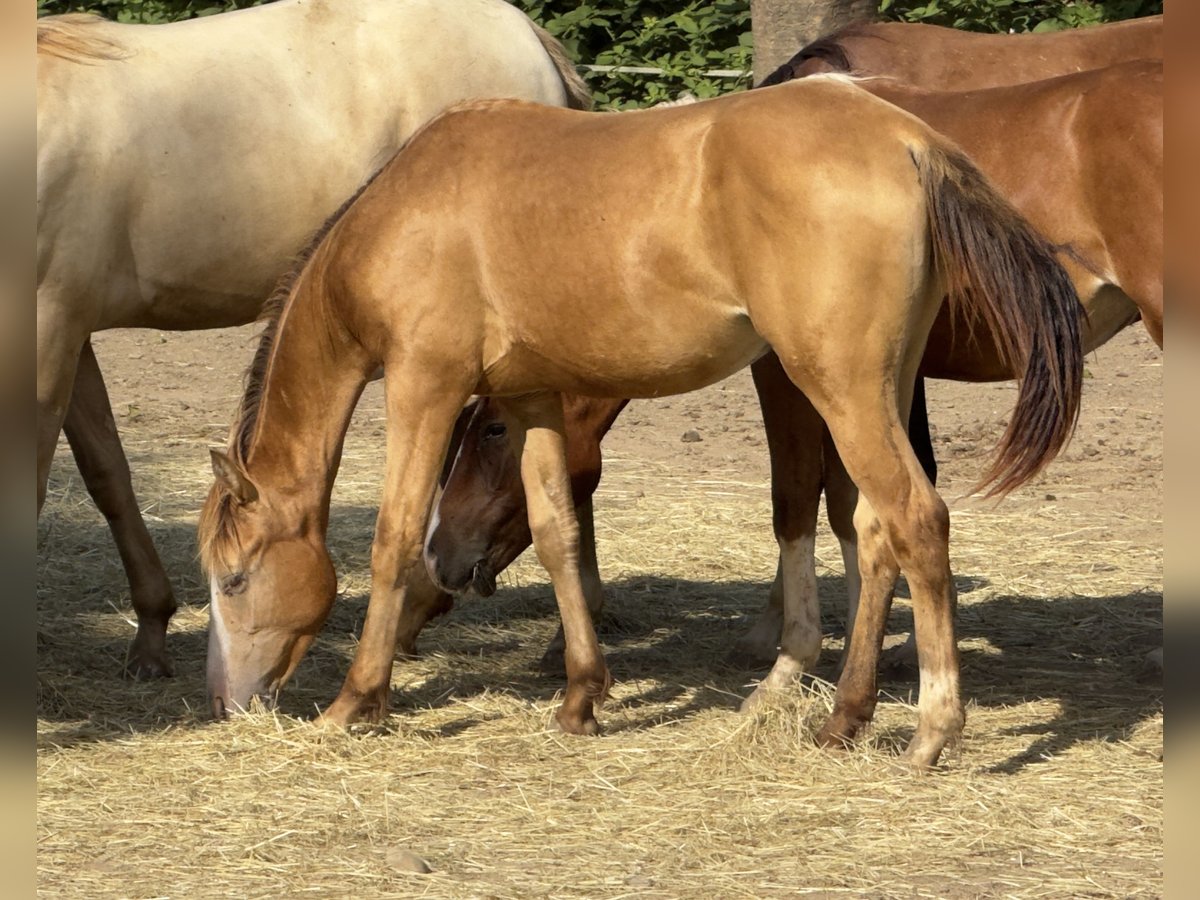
1007,277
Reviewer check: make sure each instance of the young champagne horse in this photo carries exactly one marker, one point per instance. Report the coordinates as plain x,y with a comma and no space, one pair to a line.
181,167
1088,173
811,218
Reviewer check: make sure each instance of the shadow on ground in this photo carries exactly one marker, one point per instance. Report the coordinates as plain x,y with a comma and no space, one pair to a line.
668,637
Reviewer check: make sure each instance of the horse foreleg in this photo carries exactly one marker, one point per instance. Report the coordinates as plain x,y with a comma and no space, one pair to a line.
794,440
537,433
94,441
593,587
419,424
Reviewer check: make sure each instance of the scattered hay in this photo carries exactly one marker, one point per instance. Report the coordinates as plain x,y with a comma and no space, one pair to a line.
1056,791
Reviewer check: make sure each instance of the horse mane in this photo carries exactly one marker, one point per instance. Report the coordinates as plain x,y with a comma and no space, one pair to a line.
217,530
828,49
70,37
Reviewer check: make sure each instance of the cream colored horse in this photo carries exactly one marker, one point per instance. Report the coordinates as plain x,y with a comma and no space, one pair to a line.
182,167
520,251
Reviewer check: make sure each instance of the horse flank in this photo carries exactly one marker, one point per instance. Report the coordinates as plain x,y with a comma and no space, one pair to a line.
70,37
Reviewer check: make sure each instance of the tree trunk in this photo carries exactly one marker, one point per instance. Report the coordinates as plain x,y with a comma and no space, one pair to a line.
781,27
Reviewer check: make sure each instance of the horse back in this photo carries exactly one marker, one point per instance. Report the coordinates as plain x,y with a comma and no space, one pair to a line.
938,58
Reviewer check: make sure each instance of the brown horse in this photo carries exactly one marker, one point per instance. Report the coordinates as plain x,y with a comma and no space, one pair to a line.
937,58
1092,177
687,251
922,56
1095,184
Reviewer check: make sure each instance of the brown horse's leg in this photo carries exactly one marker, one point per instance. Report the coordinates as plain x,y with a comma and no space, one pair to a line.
841,498
794,439
593,588
419,424
902,524
94,440
537,434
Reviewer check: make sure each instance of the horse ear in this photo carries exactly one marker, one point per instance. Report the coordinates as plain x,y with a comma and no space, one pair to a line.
230,474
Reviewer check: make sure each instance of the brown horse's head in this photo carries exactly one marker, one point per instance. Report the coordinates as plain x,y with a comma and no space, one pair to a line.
271,585
480,524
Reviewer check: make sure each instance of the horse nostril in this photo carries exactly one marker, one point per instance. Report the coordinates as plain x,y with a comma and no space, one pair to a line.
218,708
483,579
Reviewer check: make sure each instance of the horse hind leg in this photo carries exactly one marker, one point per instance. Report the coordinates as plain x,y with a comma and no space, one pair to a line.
96,445
794,440
902,525
537,434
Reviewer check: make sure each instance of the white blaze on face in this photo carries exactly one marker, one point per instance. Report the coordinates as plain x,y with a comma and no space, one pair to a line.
216,621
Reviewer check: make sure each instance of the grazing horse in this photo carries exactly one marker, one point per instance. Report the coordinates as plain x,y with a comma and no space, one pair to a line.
1088,173
181,167
811,219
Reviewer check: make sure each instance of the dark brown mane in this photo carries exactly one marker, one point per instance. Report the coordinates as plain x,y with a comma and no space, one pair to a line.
216,529
827,49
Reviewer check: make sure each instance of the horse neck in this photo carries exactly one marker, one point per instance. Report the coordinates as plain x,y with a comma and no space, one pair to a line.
315,374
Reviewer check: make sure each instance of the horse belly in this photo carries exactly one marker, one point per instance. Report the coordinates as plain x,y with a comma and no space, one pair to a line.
628,356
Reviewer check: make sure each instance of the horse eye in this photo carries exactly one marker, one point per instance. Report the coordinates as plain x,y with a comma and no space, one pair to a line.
494,430
233,584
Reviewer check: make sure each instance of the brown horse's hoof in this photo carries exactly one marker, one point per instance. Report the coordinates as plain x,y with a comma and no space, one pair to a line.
839,731
352,708
576,724
142,664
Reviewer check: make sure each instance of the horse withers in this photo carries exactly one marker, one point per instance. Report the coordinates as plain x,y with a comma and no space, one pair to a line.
181,167
677,262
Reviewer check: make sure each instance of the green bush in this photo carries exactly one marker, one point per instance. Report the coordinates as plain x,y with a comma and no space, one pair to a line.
685,40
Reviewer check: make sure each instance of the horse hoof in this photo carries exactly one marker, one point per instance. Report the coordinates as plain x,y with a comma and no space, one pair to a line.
577,725
346,711
753,702
144,666
839,731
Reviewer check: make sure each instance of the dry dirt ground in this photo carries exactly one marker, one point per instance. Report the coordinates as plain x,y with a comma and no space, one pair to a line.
1056,789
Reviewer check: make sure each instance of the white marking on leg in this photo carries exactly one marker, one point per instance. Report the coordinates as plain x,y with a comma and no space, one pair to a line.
800,643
